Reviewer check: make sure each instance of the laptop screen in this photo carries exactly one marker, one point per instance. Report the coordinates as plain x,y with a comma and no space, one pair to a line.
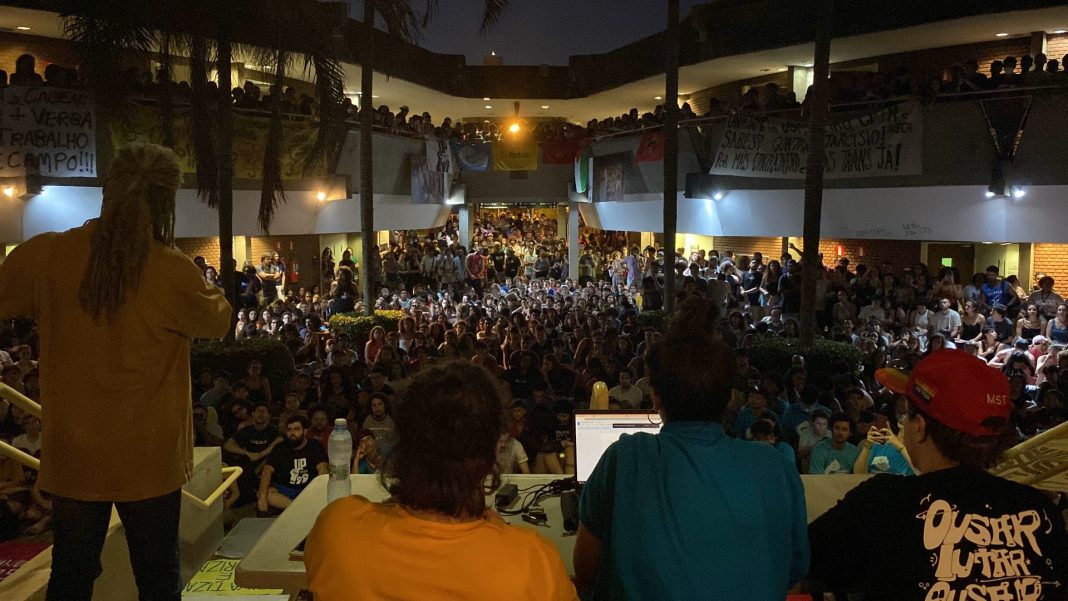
595,430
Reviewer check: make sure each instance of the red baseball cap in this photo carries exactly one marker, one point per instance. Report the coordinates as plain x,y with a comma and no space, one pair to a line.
954,388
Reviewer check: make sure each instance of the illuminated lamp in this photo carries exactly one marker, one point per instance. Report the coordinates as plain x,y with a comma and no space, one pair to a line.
514,128
320,196
839,250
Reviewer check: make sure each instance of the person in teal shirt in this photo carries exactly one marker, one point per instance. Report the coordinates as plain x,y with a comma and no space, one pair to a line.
835,455
691,513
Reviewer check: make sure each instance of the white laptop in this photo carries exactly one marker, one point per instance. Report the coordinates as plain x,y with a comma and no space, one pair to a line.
595,430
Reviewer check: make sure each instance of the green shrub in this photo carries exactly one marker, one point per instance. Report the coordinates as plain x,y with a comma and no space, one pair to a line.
358,326
234,357
658,320
772,353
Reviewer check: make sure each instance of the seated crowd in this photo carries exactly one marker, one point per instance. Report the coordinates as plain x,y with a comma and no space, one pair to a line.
510,306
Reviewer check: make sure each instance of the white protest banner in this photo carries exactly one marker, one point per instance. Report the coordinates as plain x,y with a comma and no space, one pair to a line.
50,131
888,141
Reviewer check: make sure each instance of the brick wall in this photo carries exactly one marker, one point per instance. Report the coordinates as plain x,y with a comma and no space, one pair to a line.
1057,46
200,247
900,253
770,247
1052,260
301,248
45,50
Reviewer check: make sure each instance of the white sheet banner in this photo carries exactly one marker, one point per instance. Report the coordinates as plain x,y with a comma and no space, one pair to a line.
50,131
888,141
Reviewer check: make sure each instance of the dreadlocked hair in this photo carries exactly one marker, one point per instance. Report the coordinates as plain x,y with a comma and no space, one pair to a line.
138,207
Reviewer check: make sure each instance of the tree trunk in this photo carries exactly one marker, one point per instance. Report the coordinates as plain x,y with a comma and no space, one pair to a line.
818,107
224,153
671,153
367,208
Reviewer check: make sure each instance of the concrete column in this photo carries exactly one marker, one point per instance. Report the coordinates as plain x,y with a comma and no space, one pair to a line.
1038,43
561,222
572,214
465,226
799,78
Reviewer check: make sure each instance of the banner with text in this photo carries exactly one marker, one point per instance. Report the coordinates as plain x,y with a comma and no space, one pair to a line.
47,131
884,142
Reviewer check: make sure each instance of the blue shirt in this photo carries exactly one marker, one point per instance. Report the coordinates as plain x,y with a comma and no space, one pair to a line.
691,513
895,462
797,413
824,456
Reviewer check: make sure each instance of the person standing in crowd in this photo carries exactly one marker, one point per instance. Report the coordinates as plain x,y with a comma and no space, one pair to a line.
137,297
955,530
688,485
435,538
271,276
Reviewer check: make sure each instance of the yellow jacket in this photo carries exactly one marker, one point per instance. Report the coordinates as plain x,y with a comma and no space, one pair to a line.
116,396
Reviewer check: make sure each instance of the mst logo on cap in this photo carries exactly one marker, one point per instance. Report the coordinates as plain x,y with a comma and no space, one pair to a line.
956,389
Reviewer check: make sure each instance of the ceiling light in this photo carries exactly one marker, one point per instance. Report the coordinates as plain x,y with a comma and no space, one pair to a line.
22,28
544,106
514,128
781,69
489,106
486,98
717,196
1001,35
1018,192
1060,31
807,65
320,196
990,194
9,191
658,97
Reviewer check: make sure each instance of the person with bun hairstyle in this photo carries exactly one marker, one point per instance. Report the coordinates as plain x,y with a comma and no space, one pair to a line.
115,383
691,513
435,538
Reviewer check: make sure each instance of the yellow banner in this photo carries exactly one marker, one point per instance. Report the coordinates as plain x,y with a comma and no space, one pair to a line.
216,577
141,124
515,155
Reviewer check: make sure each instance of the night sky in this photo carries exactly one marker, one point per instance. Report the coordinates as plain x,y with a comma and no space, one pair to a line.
534,32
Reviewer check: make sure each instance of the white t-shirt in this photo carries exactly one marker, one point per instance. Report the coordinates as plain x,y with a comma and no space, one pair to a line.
628,399
513,455
945,322
23,442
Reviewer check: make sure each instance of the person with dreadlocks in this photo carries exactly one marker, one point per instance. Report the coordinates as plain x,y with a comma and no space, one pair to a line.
114,369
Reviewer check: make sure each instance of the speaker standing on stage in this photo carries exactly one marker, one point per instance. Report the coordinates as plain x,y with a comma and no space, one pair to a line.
691,513
115,385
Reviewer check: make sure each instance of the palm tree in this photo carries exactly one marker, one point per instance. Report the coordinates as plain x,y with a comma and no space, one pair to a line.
106,33
671,152
817,102
401,20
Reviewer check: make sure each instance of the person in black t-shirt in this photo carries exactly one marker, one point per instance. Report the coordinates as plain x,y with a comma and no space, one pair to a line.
290,466
249,447
955,532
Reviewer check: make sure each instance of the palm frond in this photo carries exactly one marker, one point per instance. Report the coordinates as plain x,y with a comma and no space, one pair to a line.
202,123
272,192
167,44
330,94
429,11
400,18
492,14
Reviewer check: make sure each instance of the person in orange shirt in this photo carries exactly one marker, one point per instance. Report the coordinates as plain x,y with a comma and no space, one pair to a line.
114,366
435,538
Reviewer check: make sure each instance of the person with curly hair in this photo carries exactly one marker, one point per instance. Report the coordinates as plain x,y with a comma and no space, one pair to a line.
435,538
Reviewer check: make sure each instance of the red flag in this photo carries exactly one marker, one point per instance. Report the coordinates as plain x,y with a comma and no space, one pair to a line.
559,152
651,147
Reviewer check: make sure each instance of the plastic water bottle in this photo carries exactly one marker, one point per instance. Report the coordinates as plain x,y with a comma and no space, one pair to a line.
339,449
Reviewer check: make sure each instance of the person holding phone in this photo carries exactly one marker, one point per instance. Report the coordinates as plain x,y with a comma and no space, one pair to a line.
882,452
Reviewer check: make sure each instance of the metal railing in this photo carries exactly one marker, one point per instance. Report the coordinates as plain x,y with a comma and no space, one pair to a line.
230,474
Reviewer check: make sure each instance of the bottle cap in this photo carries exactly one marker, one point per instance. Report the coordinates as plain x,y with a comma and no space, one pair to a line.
340,423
